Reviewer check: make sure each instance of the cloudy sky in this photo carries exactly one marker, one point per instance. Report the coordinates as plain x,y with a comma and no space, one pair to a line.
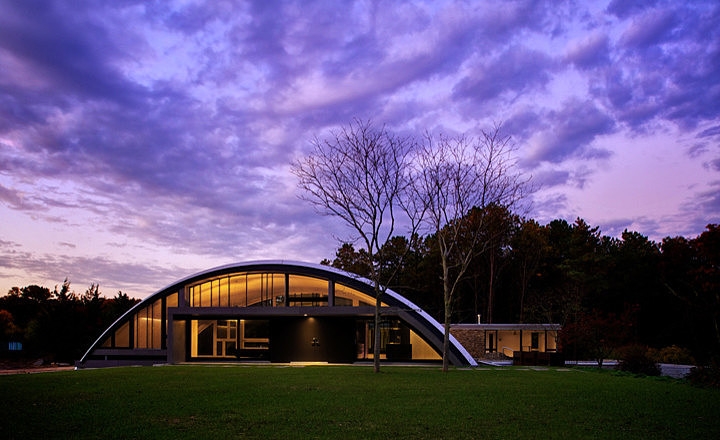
142,141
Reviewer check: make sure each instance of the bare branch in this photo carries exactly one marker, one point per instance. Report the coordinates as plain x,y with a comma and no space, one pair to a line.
360,174
453,176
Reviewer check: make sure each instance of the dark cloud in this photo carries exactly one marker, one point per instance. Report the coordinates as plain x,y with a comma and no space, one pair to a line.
65,48
547,17
523,124
708,201
131,278
552,178
666,65
615,227
714,164
592,52
174,123
625,8
701,208
515,71
573,128
710,132
549,206
650,29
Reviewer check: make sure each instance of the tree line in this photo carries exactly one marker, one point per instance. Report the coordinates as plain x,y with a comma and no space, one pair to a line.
380,183
57,325
606,292
435,219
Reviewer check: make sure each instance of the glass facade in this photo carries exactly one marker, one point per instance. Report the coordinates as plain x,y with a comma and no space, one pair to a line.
229,338
248,315
238,290
307,291
273,290
148,326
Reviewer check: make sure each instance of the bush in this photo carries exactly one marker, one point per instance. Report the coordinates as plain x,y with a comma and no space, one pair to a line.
635,359
706,376
672,355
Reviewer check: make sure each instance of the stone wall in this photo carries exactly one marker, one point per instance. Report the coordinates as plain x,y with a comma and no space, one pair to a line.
473,340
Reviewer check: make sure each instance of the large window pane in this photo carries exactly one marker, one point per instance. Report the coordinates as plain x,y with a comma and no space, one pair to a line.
141,328
147,326
206,294
278,289
345,294
122,336
238,290
215,289
156,323
170,301
241,290
223,292
254,289
307,291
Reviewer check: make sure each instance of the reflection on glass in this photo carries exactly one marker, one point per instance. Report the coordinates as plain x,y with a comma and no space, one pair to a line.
345,295
147,326
307,291
240,290
122,336
229,338
269,290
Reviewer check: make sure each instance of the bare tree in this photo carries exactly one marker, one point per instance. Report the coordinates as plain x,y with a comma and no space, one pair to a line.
360,175
453,176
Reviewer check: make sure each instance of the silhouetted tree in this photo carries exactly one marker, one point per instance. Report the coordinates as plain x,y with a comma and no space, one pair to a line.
348,259
597,334
529,247
360,175
707,277
455,175
61,324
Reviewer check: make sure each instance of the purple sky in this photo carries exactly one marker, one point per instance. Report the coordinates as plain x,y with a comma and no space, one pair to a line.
143,141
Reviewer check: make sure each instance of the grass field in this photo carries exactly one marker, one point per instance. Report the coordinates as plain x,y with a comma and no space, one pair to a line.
348,402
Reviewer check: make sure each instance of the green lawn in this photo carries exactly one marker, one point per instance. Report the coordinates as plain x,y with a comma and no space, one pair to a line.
352,402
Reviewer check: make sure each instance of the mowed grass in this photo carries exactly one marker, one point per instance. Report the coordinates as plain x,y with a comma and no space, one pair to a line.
348,402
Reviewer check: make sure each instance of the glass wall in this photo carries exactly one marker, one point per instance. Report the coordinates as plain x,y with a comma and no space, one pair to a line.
397,342
347,296
239,290
307,291
229,338
148,326
120,338
270,290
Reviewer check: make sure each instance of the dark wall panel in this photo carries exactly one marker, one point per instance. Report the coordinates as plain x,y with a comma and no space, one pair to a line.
310,339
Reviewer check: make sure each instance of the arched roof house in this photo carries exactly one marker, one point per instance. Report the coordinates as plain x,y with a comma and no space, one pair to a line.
276,311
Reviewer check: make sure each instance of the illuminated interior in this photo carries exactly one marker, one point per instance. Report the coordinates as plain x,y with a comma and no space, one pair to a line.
269,290
283,313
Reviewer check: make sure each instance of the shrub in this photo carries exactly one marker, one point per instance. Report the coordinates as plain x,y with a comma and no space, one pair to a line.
635,359
707,376
672,355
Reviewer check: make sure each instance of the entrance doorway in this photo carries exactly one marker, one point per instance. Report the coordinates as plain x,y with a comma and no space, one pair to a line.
312,339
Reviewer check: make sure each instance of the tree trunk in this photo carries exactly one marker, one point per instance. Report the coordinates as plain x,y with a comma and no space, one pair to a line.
446,340
376,335
523,288
491,288
447,296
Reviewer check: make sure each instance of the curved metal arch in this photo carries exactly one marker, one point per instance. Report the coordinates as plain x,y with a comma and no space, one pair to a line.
418,320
